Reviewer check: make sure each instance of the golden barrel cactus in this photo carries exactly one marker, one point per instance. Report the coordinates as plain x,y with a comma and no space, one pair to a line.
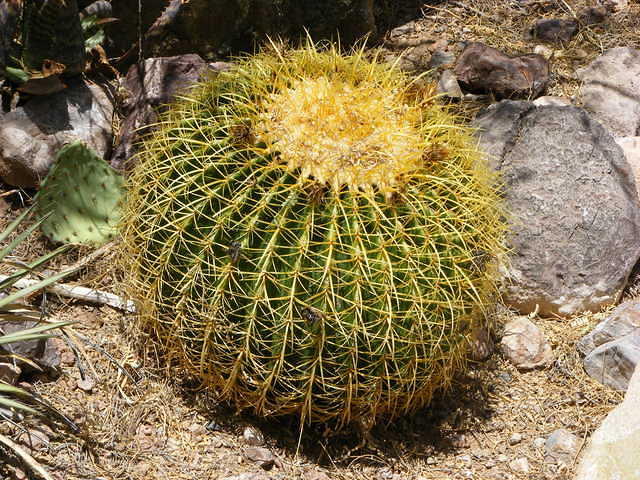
306,234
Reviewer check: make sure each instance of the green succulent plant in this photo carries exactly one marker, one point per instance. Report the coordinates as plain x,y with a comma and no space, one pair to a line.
79,198
303,234
12,309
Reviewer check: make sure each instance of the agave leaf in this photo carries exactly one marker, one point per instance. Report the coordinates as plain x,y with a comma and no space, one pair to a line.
19,239
32,288
28,268
33,333
7,402
13,225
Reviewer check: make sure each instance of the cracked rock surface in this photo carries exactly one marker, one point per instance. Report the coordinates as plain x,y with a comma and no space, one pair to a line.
572,203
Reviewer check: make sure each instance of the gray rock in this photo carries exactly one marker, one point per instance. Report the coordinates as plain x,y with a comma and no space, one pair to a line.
612,452
515,438
252,436
481,68
260,455
561,447
440,58
575,215
614,362
41,351
520,465
524,344
631,148
148,93
448,85
610,90
553,30
624,319
550,100
31,135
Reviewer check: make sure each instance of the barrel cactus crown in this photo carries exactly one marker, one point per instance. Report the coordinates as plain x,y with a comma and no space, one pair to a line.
306,234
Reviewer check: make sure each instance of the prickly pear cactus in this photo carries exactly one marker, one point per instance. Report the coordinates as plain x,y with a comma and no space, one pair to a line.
81,196
307,234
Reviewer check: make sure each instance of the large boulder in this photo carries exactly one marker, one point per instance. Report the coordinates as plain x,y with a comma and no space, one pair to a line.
610,86
214,27
31,136
612,452
148,88
571,197
612,349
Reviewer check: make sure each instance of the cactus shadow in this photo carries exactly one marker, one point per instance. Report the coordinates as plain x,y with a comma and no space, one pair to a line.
443,427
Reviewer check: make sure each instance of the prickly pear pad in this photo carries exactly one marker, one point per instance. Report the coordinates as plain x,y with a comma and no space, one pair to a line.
81,196
303,234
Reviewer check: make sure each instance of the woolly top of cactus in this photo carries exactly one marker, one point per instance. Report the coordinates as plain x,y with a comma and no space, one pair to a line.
344,134
339,120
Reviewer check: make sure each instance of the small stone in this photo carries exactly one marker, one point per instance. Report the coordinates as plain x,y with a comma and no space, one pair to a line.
502,458
515,439
524,344
441,58
561,447
9,373
87,384
67,358
431,461
448,85
543,50
261,456
551,100
252,436
489,464
520,465
539,442
553,30
465,458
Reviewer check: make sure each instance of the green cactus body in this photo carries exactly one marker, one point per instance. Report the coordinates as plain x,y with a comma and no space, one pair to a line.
302,235
80,197
52,32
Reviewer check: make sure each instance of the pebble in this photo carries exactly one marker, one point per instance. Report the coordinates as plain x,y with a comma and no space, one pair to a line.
515,439
252,436
86,384
561,447
431,461
502,458
520,465
465,458
67,358
260,455
539,442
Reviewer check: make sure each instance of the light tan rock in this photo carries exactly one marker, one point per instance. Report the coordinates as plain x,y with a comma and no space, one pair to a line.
524,344
613,450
